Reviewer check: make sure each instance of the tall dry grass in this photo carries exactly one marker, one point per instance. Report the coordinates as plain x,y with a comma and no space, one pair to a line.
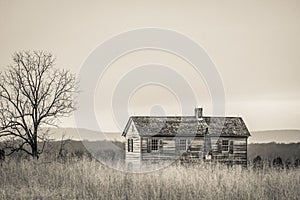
89,179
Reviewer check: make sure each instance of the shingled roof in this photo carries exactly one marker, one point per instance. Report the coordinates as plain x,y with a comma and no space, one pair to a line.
188,126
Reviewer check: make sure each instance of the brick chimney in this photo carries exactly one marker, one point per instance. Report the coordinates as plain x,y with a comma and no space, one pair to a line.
198,113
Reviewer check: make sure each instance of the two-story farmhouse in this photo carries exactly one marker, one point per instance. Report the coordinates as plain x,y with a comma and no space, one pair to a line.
151,138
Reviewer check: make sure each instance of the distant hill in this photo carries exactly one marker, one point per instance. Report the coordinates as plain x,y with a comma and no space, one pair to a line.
106,149
265,150
272,150
278,136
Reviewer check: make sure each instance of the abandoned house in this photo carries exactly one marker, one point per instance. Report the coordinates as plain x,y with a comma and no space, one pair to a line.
154,139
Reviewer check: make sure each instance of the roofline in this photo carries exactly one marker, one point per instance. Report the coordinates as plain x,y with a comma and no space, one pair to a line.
190,116
246,127
160,135
127,127
136,116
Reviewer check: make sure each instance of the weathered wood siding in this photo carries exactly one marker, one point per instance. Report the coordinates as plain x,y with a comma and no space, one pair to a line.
167,148
237,153
133,157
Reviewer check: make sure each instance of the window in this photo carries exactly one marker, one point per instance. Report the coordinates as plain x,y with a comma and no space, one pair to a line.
181,145
154,145
130,145
225,145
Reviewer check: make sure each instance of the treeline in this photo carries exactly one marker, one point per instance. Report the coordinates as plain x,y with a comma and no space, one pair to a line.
69,149
114,150
269,151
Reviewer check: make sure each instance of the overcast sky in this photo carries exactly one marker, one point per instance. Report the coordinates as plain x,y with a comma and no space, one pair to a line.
255,46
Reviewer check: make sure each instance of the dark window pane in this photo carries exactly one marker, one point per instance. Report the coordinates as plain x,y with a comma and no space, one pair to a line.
225,145
181,145
130,145
154,144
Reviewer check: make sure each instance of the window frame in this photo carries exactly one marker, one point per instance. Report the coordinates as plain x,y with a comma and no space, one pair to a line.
154,145
225,146
129,145
182,146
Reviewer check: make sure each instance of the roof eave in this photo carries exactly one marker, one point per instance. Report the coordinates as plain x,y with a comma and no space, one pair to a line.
127,127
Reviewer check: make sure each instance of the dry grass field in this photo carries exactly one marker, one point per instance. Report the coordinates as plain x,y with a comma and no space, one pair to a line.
89,179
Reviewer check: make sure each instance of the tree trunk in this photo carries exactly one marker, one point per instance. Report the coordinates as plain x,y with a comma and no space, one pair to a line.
34,146
34,151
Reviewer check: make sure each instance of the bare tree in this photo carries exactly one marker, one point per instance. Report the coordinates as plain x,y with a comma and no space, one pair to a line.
33,94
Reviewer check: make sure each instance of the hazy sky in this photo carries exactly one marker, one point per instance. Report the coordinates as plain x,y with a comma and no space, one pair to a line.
255,46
